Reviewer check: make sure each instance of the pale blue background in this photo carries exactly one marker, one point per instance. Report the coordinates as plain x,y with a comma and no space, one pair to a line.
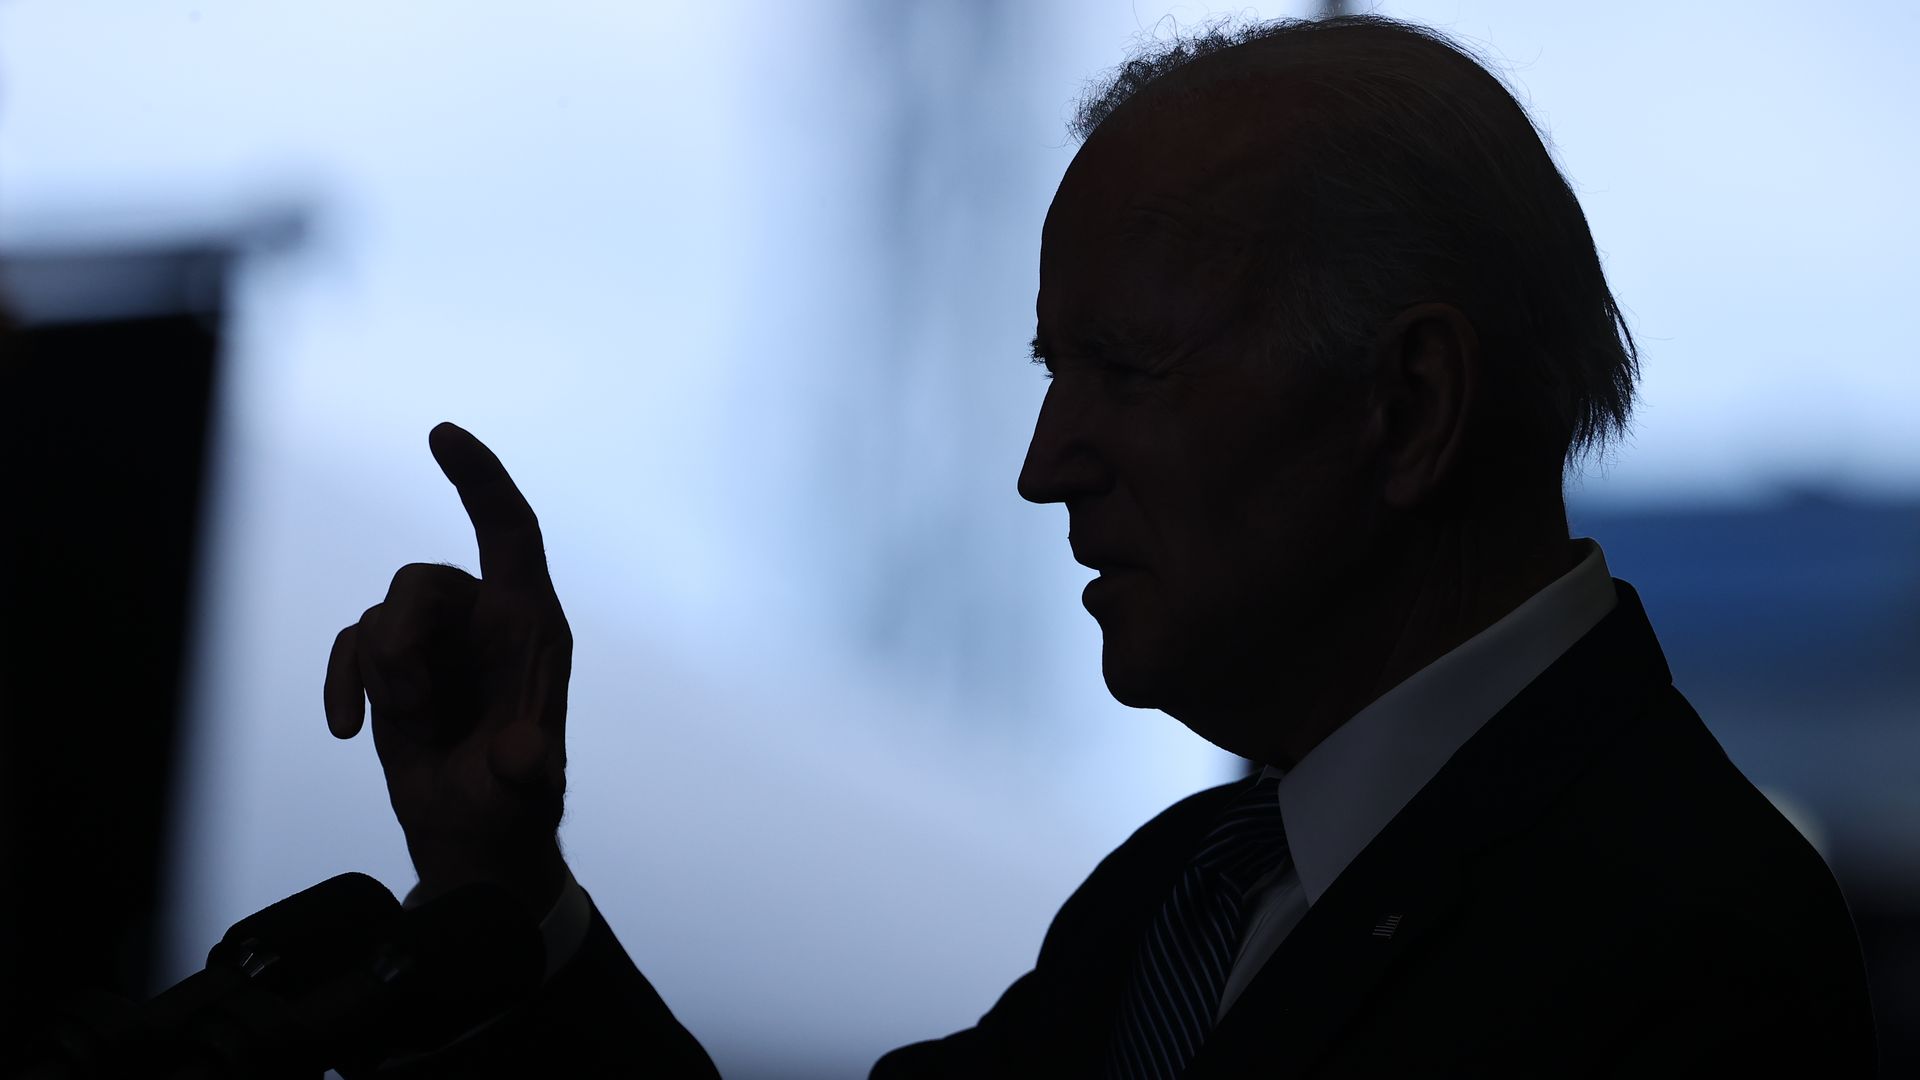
740,293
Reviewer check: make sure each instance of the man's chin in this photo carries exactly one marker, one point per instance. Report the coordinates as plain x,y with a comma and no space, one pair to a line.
1133,684
1142,688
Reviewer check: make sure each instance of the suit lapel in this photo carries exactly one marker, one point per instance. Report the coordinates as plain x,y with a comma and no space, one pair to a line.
1312,984
1410,881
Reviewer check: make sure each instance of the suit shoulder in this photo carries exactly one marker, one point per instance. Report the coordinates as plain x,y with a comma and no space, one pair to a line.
1173,832
1136,876
1683,837
1668,798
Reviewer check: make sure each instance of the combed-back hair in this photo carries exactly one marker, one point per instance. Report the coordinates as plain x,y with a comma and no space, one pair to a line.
1417,176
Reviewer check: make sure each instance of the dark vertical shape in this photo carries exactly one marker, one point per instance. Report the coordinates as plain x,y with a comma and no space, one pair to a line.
946,68
105,384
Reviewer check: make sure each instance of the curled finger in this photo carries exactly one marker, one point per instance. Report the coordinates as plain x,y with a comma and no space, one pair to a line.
343,696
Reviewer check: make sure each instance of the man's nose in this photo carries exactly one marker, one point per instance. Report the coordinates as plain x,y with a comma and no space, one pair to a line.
1062,461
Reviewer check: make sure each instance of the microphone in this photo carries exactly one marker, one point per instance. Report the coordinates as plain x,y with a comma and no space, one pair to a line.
336,976
285,947
290,946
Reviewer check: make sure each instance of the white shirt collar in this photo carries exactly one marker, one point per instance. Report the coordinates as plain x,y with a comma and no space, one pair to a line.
1346,789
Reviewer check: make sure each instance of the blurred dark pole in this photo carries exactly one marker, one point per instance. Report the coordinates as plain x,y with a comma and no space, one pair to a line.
106,376
1333,8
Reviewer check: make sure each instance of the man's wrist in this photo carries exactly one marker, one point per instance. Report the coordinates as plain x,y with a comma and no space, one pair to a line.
536,882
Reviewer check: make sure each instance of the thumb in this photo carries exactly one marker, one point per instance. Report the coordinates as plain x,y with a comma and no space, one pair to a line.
518,755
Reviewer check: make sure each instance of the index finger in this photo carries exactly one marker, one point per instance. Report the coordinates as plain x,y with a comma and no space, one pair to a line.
511,551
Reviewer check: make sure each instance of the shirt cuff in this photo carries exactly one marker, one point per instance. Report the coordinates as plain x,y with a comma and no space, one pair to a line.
562,931
565,928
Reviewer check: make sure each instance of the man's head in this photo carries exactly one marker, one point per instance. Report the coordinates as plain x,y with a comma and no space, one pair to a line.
1313,295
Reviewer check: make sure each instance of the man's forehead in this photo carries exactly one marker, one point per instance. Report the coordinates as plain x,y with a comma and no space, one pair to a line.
1180,169
1121,216
1145,263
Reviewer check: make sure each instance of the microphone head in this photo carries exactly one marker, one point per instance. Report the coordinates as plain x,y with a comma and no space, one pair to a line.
291,946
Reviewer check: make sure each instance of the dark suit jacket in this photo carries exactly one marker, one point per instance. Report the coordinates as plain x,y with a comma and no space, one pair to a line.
1588,888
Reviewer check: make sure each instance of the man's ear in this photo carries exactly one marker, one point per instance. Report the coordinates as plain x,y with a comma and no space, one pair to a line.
1426,382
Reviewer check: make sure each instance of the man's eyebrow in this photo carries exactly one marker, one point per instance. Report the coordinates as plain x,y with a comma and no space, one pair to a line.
1177,224
1113,340
1042,350
1161,218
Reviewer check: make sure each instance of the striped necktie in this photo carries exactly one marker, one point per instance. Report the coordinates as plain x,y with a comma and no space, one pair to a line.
1175,993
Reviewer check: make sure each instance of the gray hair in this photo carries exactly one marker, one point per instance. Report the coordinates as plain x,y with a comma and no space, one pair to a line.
1423,179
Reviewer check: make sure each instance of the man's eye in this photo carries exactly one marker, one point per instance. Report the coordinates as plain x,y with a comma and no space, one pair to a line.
1125,372
1108,368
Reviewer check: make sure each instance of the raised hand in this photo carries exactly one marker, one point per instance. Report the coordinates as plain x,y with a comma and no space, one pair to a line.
468,682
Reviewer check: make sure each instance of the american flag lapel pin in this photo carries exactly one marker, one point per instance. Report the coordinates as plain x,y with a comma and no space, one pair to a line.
1385,927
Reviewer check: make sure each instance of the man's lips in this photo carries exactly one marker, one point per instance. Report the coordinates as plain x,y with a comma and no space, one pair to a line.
1105,589
1102,561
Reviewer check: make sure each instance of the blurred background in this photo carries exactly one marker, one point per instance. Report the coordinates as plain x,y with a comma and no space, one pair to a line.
740,294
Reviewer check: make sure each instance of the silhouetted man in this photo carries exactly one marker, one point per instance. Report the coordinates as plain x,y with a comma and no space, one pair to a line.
1325,326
